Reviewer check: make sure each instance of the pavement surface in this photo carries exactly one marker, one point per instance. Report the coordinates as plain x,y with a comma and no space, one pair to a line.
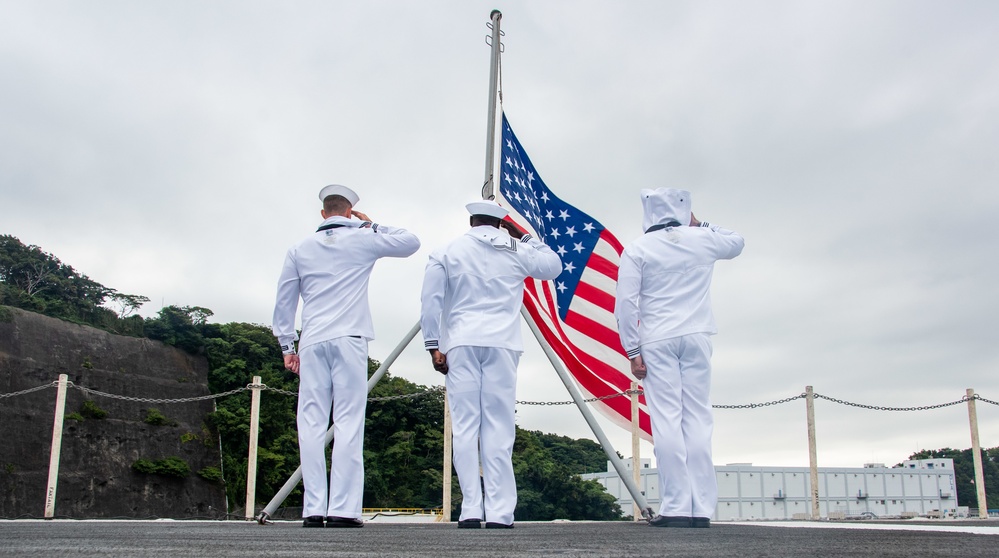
232,538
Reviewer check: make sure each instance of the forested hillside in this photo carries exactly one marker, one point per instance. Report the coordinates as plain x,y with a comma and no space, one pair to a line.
403,437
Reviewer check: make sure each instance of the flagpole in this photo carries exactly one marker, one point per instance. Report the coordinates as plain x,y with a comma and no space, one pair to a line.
488,185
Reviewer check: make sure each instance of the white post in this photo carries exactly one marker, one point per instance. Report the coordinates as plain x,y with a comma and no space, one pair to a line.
251,460
812,453
635,449
976,451
60,413
447,463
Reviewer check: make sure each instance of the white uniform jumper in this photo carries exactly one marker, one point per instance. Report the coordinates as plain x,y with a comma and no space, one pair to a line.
472,293
330,271
664,313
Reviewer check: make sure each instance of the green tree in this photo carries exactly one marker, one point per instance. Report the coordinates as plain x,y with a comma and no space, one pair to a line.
178,326
35,280
579,455
548,489
236,353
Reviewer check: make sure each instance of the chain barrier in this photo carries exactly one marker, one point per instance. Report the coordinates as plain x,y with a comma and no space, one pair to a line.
591,400
755,405
154,400
880,408
440,389
29,390
980,398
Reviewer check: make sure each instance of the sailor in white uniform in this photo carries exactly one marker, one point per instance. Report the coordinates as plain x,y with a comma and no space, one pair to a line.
329,270
472,293
664,317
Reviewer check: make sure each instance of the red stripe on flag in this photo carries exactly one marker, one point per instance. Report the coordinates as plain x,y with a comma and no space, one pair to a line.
603,265
607,237
600,368
603,299
598,331
593,379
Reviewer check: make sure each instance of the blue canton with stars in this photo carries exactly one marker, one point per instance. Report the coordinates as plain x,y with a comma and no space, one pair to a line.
566,230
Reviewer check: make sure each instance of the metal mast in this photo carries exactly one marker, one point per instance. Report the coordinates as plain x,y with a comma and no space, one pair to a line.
488,185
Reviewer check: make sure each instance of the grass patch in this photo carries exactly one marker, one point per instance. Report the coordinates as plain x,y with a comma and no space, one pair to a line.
91,410
169,466
211,474
156,418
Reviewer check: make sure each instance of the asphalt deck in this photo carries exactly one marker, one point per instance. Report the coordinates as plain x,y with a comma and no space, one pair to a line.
221,539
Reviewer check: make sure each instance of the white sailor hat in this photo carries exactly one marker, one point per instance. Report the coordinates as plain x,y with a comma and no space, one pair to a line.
487,207
338,190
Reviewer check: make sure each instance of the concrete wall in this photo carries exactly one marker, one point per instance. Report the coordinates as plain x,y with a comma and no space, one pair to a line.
96,478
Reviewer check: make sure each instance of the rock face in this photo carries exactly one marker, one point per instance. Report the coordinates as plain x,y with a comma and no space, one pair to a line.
96,477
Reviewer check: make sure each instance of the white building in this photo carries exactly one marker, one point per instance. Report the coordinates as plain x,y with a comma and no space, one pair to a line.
918,488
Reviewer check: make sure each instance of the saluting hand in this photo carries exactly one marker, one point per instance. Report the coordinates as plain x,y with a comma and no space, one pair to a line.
638,369
515,232
440,361
360,215
693,220
292,363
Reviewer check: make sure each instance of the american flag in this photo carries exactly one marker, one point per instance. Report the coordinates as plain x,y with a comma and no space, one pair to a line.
575,312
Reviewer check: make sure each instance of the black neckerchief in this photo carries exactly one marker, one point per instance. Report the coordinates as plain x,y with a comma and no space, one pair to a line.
660,227
330,226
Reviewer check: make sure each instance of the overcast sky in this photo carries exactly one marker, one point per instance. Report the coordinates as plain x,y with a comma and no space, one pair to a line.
176,150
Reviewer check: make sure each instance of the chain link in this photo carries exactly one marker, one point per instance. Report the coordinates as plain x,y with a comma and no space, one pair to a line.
880,408
755,405
591,400
431,391
275,390
29,390
980,398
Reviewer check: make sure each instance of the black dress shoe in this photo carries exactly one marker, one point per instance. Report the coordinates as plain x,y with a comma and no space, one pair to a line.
332,521
669,521
492,525
470,524
700,522
313,521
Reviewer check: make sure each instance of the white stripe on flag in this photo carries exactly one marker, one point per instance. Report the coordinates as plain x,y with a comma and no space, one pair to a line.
604,249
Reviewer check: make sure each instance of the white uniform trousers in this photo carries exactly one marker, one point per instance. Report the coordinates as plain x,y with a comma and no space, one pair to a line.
677,390
482,395
333,373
